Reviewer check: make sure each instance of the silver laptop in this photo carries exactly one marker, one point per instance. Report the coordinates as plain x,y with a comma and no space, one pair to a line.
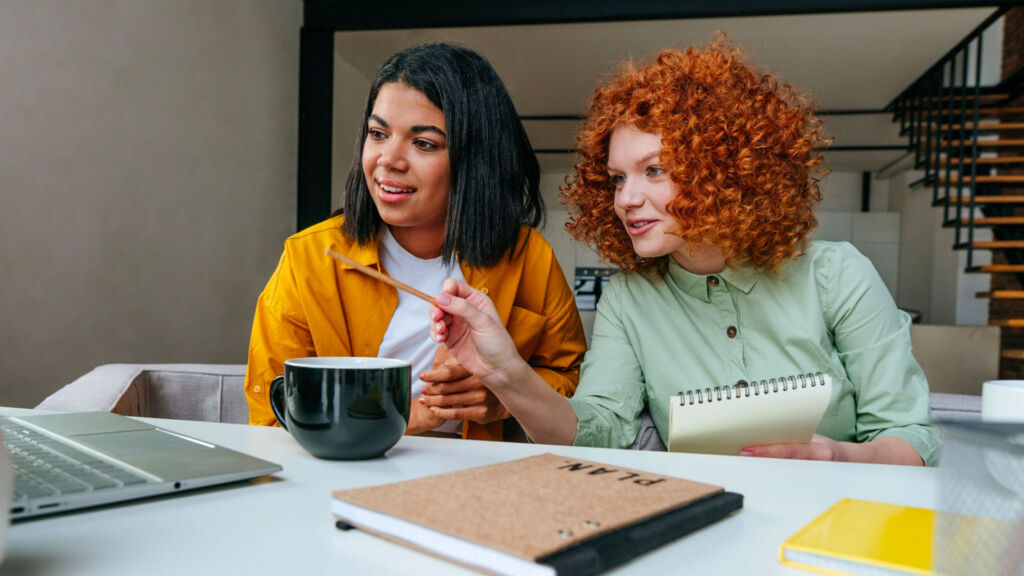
68,461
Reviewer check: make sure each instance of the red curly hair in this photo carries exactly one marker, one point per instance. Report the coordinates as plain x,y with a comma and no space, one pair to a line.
741,148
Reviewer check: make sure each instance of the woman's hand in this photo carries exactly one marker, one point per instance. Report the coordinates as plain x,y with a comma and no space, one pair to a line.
819,448
884,450
464,399
453,393
466,322
421,419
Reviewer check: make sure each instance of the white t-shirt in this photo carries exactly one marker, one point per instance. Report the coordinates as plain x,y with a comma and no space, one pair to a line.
408,333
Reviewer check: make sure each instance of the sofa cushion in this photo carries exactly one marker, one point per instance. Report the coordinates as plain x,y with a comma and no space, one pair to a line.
209,392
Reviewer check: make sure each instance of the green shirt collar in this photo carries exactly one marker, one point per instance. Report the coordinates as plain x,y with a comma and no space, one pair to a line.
742,276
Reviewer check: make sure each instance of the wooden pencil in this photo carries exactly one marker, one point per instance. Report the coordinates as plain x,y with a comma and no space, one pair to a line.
375,274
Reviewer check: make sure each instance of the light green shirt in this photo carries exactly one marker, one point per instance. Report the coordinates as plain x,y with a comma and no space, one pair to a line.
826,311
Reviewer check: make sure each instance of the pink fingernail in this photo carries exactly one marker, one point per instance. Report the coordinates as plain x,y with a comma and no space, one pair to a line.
746,453
443,299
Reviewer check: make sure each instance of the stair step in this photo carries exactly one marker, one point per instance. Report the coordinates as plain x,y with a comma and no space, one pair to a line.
943,130
959,97
1008,322
1008,199
997,244
999,111
988,160
991,221
1002,294
1001,143
1014,354
985,126
997,269
957,114
999,179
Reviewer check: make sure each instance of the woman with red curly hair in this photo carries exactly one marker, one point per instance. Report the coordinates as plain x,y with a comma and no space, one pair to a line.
699,179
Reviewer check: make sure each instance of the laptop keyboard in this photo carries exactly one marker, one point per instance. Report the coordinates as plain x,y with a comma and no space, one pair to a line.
44,466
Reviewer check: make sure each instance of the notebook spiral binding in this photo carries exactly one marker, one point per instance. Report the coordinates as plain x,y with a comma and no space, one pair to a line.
756,388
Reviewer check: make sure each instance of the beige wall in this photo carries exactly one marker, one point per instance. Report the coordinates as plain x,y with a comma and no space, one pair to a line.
147,170
931,276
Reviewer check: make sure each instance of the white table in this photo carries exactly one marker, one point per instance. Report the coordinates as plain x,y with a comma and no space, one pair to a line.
282,524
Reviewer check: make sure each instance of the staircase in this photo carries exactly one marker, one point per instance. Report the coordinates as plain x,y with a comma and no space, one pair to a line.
968,139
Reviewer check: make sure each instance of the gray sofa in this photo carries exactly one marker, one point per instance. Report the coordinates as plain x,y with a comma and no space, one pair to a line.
208,392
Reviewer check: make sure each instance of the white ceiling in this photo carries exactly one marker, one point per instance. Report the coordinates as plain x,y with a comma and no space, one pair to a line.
846,61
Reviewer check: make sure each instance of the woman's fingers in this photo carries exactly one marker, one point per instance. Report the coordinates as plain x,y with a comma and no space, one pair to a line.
473,413
451,387
471,398
449,371
461,299
463,308
795,451
473,332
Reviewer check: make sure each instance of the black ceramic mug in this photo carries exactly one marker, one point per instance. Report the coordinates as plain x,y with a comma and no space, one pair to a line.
343,408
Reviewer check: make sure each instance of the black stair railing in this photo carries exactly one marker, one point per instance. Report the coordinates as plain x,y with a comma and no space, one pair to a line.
941,112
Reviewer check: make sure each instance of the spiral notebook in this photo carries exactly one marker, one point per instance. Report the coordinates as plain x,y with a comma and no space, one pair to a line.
725,419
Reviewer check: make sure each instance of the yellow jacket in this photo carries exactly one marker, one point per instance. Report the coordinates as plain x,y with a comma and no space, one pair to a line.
315,306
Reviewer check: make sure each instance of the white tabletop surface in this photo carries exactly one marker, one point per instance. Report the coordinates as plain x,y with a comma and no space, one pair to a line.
282,524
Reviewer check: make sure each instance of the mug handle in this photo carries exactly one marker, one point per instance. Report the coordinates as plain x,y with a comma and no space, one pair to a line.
277,400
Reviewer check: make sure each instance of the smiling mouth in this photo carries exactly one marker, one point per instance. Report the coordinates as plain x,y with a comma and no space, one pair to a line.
394,189
639,226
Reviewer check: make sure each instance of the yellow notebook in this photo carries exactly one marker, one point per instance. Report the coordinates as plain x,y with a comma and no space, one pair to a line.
856,537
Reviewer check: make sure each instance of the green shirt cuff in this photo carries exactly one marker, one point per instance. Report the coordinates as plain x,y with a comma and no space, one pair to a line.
924,439
585,426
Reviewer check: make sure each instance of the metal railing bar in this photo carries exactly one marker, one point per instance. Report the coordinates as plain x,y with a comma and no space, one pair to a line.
964,86
955,49
952,106
974,150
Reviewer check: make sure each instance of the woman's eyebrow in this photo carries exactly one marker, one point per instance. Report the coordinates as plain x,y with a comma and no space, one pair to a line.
648,157
640,162
428,128
417,129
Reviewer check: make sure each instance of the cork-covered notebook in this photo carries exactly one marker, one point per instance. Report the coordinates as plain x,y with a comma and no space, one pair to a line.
545,514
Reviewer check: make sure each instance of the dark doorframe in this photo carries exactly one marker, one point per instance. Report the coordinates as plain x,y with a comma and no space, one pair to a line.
316,121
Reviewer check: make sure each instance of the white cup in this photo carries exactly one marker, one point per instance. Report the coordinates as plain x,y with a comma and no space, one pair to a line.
1002,401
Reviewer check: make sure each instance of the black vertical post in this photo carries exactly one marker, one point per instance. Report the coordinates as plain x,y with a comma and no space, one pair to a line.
964,87
865,191
976,117
316,103
946,144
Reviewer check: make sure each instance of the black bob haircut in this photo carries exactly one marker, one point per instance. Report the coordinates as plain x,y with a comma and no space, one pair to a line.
495,178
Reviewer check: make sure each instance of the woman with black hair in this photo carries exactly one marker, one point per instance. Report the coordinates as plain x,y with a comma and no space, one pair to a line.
444,184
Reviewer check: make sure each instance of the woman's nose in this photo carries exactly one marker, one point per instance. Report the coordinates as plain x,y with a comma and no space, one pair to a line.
629,194
391,157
